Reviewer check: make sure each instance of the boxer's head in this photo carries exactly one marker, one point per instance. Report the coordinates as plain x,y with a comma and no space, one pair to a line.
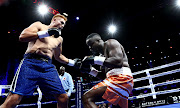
58,21
95,43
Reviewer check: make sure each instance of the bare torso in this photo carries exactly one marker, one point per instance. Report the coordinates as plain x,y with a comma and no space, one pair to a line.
44,46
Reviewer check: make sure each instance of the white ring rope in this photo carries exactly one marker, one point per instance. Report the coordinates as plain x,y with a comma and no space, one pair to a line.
158,67
155,93
157,75
151,85
35,104
158,84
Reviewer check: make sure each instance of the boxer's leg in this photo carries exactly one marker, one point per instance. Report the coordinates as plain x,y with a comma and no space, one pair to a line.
93,95
50,83
11,101
62,100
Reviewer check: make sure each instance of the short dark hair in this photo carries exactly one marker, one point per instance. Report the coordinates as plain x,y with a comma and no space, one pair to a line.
92,35
62,68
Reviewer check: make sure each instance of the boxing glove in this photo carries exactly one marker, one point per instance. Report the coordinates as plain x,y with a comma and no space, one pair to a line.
76,63
85,68
93,60
52,31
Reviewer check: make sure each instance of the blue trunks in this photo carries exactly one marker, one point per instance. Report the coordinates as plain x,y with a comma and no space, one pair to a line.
36,70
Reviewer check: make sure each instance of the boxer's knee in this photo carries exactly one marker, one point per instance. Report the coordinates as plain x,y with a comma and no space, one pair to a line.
11,101
62,98
86,98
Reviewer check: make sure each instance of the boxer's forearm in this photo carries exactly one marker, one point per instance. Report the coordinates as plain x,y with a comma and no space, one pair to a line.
110,62
62,59
27,36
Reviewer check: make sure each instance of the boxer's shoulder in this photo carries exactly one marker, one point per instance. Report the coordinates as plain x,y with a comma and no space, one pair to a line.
112,42
37,23
40,25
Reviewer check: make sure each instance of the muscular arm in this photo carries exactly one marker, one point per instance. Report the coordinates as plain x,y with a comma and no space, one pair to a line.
58,55
115,55
30,33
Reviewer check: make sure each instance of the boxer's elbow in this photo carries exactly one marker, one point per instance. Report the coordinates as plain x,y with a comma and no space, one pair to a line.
57,58
114,62
21,38
119,62
61,58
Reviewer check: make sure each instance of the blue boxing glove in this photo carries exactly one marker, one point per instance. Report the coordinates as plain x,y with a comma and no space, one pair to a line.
52,31
89,60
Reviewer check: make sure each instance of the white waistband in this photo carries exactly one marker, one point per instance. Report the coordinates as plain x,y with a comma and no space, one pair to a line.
117,71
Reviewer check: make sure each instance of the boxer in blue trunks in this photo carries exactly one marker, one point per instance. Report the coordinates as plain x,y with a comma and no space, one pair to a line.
36,68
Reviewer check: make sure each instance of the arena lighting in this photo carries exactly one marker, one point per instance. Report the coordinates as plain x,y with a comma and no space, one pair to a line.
43,9
112,29
77,18
178,3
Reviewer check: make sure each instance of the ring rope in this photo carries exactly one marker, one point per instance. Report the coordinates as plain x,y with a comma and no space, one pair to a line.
158,84
158,67
130,98
35,104
166,83
157,75
155,93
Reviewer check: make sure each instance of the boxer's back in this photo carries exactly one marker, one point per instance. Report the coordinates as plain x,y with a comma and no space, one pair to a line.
116,46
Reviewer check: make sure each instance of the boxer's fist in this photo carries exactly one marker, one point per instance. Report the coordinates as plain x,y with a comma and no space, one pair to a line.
54,31
88,60
77,63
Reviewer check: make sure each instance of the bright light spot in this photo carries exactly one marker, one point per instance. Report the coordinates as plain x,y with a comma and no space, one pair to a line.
178,2
112,29
77,18
43,9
